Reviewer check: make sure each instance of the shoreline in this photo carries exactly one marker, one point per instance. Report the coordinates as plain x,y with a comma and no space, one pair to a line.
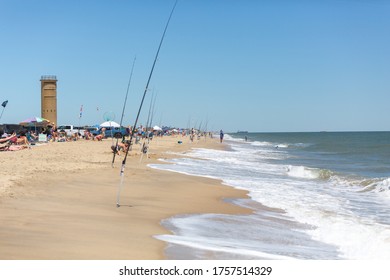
55,215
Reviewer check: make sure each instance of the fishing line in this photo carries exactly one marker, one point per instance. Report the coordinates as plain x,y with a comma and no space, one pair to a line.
140,107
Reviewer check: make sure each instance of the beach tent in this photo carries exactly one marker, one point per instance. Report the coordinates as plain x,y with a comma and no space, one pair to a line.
157,128
109,124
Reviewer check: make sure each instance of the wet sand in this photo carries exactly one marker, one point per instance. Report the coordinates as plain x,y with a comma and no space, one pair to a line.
58,200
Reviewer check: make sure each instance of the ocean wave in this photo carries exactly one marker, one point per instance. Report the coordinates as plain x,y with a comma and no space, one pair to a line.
383,186
263,144
267,144
230,138
379,186
278,145
308,173
283,146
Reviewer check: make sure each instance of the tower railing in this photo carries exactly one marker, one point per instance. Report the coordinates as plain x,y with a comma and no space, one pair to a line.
48,78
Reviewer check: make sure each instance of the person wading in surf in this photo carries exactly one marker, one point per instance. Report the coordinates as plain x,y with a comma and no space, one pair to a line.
221,135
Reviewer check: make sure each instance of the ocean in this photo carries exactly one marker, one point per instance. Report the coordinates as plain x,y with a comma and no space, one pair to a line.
316,196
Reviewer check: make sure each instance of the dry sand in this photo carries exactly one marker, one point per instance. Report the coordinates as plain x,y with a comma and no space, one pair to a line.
58,200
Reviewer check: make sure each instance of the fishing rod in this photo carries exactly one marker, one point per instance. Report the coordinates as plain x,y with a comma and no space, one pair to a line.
160,122
140,108
153,111
189,123
150,125
150,111
199,130
115,149
149,122
144,145
205,127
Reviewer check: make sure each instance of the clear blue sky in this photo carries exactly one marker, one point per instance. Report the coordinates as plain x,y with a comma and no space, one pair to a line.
257,65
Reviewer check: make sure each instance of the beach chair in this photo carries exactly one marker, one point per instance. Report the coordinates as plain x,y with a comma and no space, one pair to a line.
42,138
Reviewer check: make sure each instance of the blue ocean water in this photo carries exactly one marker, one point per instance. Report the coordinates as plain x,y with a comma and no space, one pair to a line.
314,196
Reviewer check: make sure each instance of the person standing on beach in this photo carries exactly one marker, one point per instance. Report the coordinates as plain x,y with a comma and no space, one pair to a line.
221,135
192,135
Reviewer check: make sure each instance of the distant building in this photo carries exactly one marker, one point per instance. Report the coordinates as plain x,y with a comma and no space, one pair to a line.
49,98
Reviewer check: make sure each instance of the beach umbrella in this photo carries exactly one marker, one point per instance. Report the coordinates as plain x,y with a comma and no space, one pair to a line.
109,124
157,127
35,121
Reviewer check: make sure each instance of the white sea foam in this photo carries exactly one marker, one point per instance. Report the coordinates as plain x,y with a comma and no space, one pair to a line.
262,144
329,204
282,145
383,186
302,172
213,245
308,173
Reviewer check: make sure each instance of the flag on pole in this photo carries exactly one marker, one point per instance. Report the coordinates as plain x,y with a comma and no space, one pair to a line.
4,103
81,111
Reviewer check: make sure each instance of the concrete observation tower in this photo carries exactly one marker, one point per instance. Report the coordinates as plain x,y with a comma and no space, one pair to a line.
49,98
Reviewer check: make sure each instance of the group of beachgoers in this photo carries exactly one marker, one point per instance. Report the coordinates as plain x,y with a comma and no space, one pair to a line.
54,135
196,134
24,139
13,142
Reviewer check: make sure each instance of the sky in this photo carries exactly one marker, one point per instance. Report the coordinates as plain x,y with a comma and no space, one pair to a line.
255,65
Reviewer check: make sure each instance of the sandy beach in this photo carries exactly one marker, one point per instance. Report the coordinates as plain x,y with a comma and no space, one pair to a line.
58,200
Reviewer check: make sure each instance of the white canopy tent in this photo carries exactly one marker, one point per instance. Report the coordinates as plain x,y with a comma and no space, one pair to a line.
109,124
